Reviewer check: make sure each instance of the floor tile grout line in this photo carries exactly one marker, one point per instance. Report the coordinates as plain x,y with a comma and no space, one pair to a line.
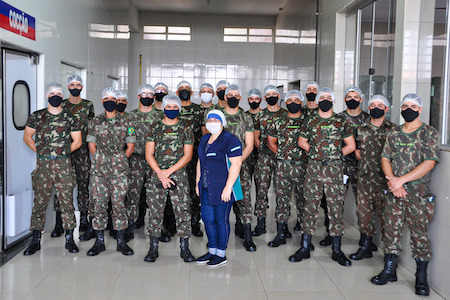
260,279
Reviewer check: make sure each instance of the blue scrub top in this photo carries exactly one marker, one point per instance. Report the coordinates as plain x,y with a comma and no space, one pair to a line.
214,165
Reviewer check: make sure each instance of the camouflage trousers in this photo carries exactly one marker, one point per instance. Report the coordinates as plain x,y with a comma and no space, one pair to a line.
82,163
370,203
289,178
179,196
140,173
56,173
191,170
252,160
351,171
265,169
417,210
105,189
324,178
243,208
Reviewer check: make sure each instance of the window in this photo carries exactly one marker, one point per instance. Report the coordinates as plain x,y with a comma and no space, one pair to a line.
169,33
243,35
290,36
105,31
21,104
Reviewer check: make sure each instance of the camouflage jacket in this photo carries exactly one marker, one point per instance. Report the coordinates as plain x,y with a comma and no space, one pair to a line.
253,158
169,142
262,122
408,150
52,135
238,124
287,131
308,112
142,122
83,111
192,115
110,135
325,136
363,117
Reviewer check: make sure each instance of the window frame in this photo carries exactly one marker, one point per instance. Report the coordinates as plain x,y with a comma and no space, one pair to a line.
24,83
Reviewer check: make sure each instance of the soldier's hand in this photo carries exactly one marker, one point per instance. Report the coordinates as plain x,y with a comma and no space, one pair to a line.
163,174
400,193
394,183
167,183
226,194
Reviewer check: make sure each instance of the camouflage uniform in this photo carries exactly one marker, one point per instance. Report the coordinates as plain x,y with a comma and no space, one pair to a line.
169,149
238,124
140,171
266,165
291,165
83,111
253,158
308,112
324,172
350,161
53,166
110,168
370,198
406,151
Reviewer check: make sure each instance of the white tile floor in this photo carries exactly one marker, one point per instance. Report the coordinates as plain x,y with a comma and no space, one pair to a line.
53,273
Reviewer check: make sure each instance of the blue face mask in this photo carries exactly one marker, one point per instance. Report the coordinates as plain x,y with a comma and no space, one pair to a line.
171,114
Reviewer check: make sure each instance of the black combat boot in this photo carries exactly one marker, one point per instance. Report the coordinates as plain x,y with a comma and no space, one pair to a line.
287,233
90,232
338,255
84,224
122,245
195,225
248,242
239,228
303,252
365,251
129,232
298,226
99,245
35,244
360,243
389,273
327,241
260,227
140,222
422,287
70,244
165,235
185,253
152,254
59,230
280,238
113,233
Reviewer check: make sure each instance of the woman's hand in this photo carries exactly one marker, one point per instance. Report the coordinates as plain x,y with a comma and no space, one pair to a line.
226,194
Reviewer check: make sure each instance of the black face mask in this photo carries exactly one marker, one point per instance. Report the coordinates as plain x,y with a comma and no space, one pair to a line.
232,102
159,96
110,106
272,100
121,107
376,113
75,92
293,107
221,94
55,100
311,96
325,105
147,101
409,115
254,105
185,95
352,104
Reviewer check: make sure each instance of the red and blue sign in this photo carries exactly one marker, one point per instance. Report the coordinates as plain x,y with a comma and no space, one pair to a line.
15,20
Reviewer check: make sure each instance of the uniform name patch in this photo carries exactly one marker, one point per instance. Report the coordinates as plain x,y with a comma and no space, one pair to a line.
404,144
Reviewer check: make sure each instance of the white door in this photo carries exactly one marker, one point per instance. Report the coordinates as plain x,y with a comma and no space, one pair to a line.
19,87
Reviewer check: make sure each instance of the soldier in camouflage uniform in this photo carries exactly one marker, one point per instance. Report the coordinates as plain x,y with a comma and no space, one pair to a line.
311,106
83,110
241,125
192,114
370,196
283,135
206,94
161,90
122,103
409,155
266,165
221,87
322,137
168,150
53,128
107,135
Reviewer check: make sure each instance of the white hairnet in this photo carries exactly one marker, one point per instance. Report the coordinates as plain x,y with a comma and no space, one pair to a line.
222,83
54,87
254,92
109,92
74,78
146,88
161,85
324,91
354,89
184,82
379,98
220,114
121,94
271,88
233,87
412,97
171,99
206,85
295,93
311,83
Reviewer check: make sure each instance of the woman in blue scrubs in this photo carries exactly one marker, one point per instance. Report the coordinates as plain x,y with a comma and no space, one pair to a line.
218,167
